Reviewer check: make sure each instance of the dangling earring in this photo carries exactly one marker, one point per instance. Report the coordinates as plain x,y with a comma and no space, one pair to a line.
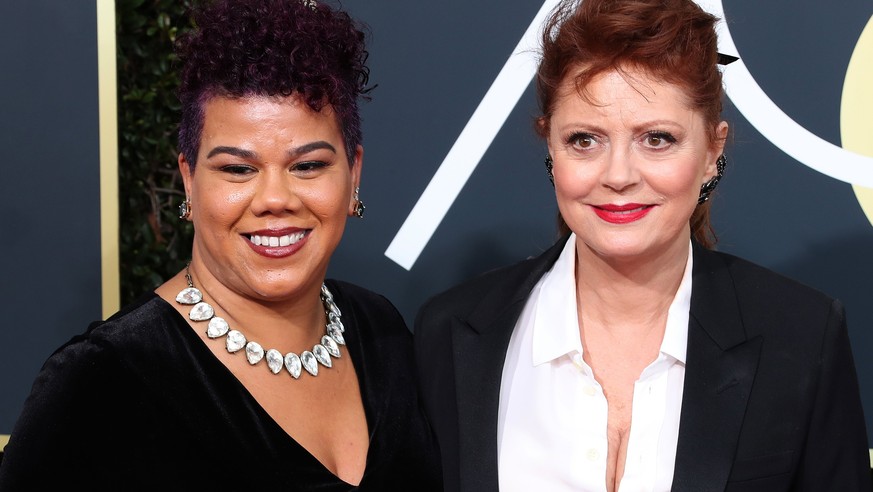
707,188
359,204
185,209
549,169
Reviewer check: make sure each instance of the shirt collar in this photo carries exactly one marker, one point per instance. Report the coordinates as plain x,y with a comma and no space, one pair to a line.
556,322
675,341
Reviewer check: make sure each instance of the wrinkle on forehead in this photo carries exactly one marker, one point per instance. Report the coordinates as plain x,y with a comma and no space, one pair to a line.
637,78
632,99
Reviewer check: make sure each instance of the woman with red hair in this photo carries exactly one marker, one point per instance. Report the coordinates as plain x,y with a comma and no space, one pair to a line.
631,356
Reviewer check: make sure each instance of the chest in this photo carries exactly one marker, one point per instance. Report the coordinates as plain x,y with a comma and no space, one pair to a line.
580,432
324,414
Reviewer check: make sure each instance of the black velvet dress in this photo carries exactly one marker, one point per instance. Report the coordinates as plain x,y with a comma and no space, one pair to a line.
140,403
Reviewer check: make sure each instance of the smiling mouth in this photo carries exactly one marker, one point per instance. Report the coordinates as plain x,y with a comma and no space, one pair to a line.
277,241
624,211
622,214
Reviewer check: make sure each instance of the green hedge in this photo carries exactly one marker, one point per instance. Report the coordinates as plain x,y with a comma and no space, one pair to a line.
154,243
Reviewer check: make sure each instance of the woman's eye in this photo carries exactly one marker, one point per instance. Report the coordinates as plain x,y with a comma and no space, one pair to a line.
237,169
582,140
659,139
307,166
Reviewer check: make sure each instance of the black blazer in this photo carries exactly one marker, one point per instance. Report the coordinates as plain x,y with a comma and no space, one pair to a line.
771,399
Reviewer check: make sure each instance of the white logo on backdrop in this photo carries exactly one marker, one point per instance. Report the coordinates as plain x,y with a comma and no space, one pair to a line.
516,75
778,127
465,154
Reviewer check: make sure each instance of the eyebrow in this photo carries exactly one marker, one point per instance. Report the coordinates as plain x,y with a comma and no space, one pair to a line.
234,151
306,148
660,123
248,154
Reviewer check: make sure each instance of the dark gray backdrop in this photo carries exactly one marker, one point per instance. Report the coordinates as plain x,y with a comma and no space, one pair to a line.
433,62
49,186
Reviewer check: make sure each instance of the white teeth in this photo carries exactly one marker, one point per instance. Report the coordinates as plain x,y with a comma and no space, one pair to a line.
277,241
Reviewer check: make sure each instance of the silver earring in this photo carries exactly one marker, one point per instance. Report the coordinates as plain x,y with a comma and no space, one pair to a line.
707,188
359,204
185,209
549,169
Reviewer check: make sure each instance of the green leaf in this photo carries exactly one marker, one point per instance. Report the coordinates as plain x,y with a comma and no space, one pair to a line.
154,244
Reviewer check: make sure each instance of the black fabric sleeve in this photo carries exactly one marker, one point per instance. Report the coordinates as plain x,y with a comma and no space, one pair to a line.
78,426
836,452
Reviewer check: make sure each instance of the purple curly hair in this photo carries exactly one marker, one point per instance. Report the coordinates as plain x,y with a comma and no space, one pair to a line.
242,48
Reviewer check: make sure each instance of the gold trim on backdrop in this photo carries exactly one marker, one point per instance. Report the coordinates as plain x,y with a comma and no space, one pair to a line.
4,440
108,101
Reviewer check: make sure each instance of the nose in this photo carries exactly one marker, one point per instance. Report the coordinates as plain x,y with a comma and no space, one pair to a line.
620,171
274,193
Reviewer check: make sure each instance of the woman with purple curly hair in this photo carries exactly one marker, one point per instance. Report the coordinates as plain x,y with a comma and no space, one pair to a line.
248,369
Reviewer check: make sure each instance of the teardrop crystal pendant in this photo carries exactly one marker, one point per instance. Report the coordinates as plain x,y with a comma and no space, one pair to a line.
331,346
321,355
254,352
274,360
217,327
336,334
189,296
201,312
235,341
326,293
292,363
332,307
309,362
335,320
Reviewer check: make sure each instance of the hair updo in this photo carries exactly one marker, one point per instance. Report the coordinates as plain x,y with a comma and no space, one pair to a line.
241,48
671,40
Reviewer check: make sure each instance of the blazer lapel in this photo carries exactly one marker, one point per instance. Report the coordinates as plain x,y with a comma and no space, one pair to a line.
480,344
720,368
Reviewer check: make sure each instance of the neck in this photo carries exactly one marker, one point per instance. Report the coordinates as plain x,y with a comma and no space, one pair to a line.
290,322
628,292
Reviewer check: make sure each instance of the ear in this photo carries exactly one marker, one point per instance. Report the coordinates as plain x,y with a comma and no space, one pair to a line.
187,176
542,126
186,172
721,133
357,163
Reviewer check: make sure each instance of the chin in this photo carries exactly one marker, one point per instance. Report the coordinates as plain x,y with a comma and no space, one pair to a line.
275,288
620,248
626,253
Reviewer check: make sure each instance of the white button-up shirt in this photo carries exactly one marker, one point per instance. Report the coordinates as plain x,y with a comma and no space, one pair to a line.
551,431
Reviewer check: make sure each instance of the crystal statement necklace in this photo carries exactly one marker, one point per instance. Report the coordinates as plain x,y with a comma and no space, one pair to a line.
236,341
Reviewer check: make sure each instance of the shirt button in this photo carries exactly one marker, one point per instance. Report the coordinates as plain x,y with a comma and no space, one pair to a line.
592,454
577,359
589,390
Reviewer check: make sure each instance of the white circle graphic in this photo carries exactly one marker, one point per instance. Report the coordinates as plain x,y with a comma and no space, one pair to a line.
793,139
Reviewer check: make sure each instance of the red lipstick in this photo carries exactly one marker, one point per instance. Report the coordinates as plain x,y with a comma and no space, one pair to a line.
622,214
